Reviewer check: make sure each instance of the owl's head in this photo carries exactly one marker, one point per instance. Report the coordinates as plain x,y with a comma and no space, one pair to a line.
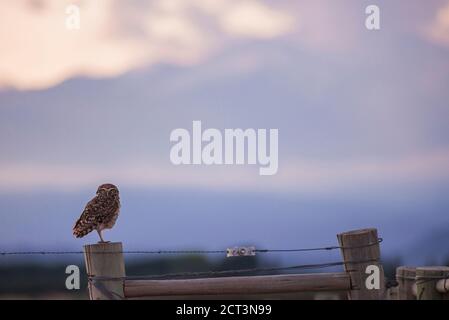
107,189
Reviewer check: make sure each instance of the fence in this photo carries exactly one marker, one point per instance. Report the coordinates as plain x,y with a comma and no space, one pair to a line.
359,249
423,283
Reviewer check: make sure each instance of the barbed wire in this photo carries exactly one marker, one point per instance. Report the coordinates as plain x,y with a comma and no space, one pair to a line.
7,253
44,252
184,275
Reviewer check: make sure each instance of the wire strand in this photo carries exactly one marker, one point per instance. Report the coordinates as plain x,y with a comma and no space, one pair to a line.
228,272
328,248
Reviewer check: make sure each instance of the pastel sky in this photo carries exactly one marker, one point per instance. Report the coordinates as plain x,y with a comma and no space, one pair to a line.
363,116
354,107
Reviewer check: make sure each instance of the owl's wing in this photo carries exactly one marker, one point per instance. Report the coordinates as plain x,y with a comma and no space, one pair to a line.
89,219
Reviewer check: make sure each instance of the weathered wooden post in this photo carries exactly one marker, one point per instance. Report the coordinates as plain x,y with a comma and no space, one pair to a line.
360,249
105,260
405,276
428,283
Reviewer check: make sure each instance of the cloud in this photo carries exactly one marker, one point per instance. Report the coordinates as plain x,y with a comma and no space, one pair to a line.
295,175
252,19
38,51
43,52
438,31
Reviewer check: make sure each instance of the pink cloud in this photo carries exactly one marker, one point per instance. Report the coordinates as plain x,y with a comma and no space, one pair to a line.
294,176
438,31
42,51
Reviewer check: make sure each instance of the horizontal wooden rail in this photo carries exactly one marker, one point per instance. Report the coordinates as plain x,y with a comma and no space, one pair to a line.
238,285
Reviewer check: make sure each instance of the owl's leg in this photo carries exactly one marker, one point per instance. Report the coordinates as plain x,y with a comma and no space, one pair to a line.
99,233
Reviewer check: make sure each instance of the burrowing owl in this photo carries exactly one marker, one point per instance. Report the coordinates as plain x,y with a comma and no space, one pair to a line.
100,213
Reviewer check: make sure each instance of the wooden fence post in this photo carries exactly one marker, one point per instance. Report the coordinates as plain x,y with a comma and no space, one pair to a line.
105,260
426,282
360,249
405,276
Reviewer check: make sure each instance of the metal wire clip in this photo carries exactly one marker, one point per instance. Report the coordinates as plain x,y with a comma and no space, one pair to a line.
240,252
